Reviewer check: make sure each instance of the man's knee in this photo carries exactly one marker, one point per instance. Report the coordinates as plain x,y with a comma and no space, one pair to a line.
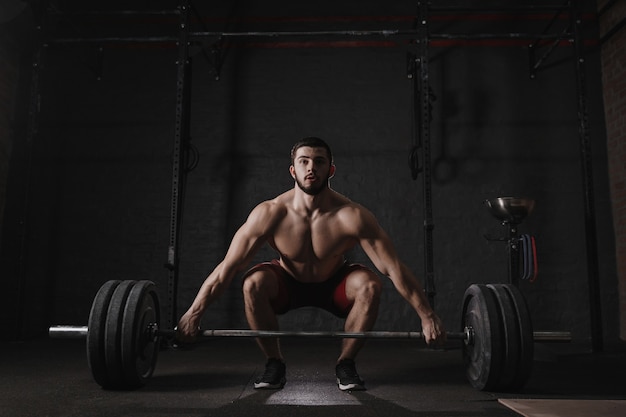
364,285
373,287
260,281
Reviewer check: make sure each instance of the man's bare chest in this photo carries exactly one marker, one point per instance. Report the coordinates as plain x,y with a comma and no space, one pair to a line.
304,239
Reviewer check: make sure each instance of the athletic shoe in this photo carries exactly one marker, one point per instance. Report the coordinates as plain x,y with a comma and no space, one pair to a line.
347,377
273,377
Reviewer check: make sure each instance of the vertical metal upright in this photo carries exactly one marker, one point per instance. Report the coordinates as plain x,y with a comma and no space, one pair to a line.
423,116
513,248
595,303
181,140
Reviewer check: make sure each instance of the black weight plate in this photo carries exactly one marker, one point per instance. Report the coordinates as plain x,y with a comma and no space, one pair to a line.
510,336
95,335
527,341
483,357
112,335
139,348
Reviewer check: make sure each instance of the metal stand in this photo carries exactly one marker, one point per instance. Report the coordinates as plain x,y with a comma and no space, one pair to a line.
593,274
511,211
422,106
514,254
181,145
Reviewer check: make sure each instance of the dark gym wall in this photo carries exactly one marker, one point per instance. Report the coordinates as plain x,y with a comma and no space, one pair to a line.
16,27
8,82
101,181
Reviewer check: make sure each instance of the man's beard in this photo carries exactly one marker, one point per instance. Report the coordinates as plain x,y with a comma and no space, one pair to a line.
312,189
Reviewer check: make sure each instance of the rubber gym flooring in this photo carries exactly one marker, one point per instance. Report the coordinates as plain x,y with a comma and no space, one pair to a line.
215,378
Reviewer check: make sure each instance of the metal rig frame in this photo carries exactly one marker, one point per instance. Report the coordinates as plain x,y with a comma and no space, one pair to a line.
418,70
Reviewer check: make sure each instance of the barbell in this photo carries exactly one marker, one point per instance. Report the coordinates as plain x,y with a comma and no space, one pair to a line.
123,337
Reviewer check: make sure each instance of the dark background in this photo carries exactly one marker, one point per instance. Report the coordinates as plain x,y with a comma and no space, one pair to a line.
88,199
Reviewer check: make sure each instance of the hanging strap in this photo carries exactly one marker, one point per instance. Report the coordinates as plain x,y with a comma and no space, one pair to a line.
535,272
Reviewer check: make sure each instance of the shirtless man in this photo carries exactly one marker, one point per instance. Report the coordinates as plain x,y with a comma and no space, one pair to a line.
311,227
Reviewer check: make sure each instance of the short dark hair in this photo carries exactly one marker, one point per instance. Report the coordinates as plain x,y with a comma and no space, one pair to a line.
312,142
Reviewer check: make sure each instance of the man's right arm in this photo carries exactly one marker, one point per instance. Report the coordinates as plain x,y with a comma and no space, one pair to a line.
247,240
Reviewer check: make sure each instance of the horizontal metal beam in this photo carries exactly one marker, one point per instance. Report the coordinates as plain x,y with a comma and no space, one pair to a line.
432,9
112,39
115,13
505,9
384,33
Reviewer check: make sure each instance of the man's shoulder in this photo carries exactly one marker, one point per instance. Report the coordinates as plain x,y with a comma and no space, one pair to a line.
353,214
274,207
281,201
343,203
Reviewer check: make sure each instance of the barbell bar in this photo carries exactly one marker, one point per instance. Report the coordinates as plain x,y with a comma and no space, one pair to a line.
123,335
79,332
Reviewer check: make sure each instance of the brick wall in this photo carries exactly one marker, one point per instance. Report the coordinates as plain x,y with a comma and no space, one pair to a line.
614,87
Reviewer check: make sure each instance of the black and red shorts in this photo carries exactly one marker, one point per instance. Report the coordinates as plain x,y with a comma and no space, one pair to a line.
329,295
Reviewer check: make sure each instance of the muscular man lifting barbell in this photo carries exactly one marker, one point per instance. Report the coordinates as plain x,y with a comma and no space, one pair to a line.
311,227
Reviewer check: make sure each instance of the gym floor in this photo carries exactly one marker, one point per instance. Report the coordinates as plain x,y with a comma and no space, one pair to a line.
215,378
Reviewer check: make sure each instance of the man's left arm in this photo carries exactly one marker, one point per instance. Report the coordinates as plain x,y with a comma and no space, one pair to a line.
381,251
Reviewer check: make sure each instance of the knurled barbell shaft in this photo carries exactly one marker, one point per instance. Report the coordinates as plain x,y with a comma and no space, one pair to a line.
77,332
311,334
